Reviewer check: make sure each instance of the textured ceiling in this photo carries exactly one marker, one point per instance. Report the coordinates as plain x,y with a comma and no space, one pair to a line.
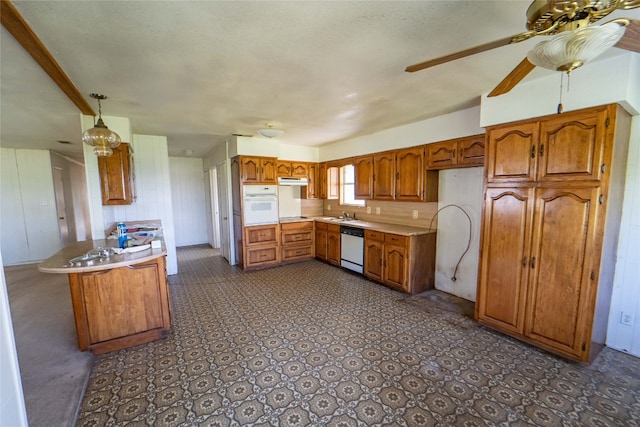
200,71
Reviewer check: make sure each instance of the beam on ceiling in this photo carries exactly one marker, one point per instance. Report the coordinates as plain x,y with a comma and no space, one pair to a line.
18,27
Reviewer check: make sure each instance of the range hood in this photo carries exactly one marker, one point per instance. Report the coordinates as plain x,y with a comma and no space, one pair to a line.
292,181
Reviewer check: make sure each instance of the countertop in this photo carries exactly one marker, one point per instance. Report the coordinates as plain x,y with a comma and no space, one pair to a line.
403,230
59,262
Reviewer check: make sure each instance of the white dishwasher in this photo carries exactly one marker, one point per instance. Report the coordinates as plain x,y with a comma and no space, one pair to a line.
352,248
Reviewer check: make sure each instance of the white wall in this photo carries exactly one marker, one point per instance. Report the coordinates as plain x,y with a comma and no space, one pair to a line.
189,200
462,187
626,284
153,192
12,408
28,218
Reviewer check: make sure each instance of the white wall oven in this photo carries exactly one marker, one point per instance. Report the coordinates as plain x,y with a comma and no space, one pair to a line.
260,204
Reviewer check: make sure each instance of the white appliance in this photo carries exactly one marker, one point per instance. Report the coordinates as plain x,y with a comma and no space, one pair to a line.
260,204
352,248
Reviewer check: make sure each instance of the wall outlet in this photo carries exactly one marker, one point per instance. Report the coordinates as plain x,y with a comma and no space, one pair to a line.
368,209
626,318
328,207
377,211
415,214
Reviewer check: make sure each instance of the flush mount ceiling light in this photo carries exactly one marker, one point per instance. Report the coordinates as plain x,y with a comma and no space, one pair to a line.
270,132
572,49
100,137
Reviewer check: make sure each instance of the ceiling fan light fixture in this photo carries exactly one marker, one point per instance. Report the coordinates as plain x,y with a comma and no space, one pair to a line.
572,49
270,132
99,136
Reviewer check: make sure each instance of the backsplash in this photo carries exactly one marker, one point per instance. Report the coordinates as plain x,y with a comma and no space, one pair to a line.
403,213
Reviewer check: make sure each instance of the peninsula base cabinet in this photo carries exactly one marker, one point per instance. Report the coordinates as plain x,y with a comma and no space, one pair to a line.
548,246
404,263
121,307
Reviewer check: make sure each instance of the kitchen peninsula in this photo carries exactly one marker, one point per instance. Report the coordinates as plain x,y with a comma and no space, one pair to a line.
119,300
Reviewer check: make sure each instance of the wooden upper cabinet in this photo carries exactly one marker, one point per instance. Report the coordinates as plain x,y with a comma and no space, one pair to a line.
442,155
409,175
471,151
572,148
512,152
312,185
286,168
456,153
116,176
322,181
283,168
258,170
384,176
364,177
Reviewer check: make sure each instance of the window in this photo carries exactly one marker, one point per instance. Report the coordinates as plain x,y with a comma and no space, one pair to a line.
348,186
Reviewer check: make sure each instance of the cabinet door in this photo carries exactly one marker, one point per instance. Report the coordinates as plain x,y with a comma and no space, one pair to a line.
250,170
299,170
512,153
409,174
471,151
373,259
384,176
268,171
442,155
123,301
322,181
572,149
312,185
283,168
321,244
560,296
394,271
115,177
504,265
364,177
333,247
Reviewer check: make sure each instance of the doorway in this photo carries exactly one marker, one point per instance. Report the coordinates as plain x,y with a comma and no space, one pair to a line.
63,224
222,201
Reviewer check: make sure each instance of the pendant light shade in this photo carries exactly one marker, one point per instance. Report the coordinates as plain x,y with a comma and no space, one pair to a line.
571,49
100,137
270,132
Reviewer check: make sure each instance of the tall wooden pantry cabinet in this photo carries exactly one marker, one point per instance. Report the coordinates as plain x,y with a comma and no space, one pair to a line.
552,205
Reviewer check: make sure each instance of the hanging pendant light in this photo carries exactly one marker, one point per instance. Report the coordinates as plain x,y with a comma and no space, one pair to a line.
100,137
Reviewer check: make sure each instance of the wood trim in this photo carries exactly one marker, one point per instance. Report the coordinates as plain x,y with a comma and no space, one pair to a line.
18,27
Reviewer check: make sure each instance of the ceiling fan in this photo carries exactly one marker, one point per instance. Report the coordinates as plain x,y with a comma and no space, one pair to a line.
575,41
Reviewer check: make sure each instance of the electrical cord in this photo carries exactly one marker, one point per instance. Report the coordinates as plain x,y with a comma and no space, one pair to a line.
455,271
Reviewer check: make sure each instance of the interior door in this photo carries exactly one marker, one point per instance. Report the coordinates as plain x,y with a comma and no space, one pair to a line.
63,224
223,205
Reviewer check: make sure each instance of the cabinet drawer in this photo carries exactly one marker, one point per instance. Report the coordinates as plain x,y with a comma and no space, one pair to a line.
295,252
261,235
396,239
321,225
297,226
289,237
374,235
261,256
333,228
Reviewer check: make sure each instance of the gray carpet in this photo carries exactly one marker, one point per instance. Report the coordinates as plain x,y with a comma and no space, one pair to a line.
54,372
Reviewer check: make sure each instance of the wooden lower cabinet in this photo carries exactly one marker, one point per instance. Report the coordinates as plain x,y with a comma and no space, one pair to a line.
328,242
121,307
537,274
261,246
405,263
297,240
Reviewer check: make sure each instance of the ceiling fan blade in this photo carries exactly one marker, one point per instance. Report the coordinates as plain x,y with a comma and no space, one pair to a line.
468,52
631,38
514,77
